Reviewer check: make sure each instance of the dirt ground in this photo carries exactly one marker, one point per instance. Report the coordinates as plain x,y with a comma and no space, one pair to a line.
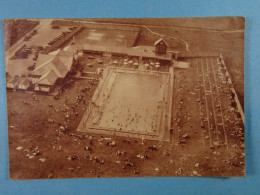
204,117
52,148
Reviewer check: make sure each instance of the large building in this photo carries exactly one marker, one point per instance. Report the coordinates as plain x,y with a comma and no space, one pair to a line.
158,52
51,69
55,66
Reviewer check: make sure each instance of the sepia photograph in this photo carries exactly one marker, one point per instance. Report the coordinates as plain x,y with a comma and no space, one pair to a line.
125,97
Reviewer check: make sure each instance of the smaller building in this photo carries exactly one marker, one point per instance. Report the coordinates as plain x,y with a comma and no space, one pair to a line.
8,77
23,84
46,82
12,83
160,46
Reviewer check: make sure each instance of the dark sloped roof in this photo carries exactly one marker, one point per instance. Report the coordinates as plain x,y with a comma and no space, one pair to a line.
147,51
65,53
74,48
8,77
66,60
43,58
103,48
14,80
48,79
60,64
144,51
25,81
59,67
159,40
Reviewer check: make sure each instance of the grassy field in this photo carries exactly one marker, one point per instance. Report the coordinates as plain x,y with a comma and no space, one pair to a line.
216,23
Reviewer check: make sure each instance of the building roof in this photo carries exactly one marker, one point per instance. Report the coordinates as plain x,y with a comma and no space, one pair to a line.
48,78
159,40
55,52
24,81
14,80
8,77
103,48
140,51
65,53
147,51
42,58
67,49
66,58
60,64
74,48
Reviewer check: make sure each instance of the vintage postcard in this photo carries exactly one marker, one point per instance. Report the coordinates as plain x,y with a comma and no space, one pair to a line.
125,97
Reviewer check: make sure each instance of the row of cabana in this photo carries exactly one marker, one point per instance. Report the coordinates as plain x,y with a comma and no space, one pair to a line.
151,64
136,64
